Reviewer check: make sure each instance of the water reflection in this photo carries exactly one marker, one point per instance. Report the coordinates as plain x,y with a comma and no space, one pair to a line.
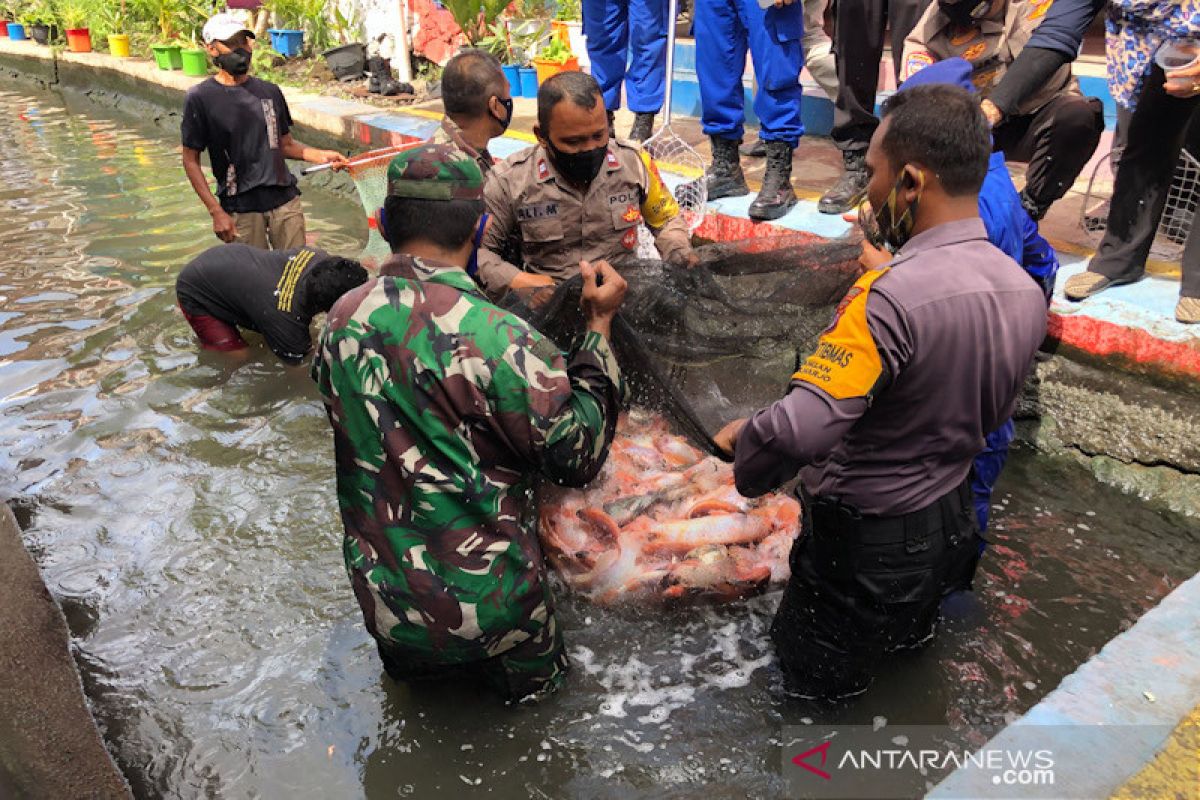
185,517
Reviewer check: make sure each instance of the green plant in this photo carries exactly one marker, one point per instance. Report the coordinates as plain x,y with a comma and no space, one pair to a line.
533,9
475,17
36,12
522,45
315,21
556,52
496,43
346,28
74,13
568,11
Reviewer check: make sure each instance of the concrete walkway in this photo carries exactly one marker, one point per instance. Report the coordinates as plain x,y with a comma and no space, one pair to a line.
49,745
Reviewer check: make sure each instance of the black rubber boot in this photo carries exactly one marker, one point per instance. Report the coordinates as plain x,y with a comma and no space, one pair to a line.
758,149
776,197
850,188
725,178
382,82
643,126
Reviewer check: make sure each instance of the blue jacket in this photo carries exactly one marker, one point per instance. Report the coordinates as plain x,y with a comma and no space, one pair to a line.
1064,26
1011,229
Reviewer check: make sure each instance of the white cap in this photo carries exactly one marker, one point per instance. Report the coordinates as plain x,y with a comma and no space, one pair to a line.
222,27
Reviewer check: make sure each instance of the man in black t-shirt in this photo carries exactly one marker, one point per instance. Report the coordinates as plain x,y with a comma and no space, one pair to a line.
274,292
243,123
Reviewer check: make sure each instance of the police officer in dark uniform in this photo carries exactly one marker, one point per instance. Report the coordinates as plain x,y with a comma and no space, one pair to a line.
925,356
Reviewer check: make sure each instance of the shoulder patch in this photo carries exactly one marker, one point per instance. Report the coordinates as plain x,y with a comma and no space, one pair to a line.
1038,9
915,63
846,362
659,207
974,51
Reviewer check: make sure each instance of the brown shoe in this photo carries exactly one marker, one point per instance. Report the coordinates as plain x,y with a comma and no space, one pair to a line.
1188,310
1086,284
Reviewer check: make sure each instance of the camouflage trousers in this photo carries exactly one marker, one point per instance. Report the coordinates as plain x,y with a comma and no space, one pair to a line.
534,667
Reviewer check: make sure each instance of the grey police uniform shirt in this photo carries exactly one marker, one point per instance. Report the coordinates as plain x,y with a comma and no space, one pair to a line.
925,357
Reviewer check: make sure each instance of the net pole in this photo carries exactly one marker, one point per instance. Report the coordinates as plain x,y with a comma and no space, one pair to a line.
672,13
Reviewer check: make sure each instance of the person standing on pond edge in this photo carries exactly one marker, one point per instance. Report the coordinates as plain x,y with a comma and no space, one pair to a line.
244,124
627,44
925,356
445,409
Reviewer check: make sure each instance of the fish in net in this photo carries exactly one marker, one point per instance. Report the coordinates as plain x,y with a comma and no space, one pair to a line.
699,347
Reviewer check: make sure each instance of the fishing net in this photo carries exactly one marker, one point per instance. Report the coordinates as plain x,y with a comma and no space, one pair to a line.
699,347
369,172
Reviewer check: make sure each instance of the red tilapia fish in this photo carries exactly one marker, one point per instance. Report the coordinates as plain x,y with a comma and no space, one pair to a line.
665,520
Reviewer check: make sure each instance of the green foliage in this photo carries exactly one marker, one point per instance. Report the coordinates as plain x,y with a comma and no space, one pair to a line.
533,9
556,52
496,43
475,17
522,45
568,11
36,12
75,13
346,29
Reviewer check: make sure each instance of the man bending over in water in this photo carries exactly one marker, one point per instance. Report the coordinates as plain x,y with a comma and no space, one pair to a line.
273,292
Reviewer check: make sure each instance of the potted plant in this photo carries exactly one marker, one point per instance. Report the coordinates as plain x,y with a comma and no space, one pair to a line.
166,15
569,26
16,26
111,19
194,59
6,16
497,43
555,57
348,60
41,21
74,15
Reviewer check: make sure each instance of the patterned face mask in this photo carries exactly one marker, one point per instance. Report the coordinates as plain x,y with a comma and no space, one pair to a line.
883,228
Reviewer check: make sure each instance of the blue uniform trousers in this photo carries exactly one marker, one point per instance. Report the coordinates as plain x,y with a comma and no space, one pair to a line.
633,32
723,29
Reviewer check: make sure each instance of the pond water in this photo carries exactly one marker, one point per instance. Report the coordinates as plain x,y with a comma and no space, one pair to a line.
182,511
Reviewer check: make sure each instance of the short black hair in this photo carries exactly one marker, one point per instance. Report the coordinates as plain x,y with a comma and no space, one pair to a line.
331,278
579,87
447,223
469,80
941,127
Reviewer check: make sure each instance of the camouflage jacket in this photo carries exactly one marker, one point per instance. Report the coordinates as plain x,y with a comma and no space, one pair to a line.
444,410
449,133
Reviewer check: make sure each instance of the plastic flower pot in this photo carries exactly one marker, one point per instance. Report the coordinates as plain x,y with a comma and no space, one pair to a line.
195,62
548,69
118,45
40,33
16,31
167,56
529,81
286,41
79,40
346,62
513,73
3,29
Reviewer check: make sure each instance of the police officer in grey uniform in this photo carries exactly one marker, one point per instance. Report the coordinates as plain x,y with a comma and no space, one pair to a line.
927,353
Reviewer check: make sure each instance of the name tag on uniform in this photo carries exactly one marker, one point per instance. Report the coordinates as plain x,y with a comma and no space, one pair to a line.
526,213
624,199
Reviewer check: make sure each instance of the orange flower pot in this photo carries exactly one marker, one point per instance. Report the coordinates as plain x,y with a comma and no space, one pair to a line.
559,31
79,40
548,69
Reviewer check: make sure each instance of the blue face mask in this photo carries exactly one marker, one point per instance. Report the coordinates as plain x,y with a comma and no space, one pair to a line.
473,261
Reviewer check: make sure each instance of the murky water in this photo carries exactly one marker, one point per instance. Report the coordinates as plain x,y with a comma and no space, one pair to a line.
182,511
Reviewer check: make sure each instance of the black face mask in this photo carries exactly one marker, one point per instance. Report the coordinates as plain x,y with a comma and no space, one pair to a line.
508,106
235,62
965,12
578,168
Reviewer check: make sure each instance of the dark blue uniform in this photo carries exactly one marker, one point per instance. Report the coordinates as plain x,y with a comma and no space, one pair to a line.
633,33
723,30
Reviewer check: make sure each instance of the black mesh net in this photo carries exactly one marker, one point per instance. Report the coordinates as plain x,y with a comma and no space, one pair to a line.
699,347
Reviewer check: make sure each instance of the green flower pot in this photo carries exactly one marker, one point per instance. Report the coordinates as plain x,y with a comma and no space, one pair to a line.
167,56
195,62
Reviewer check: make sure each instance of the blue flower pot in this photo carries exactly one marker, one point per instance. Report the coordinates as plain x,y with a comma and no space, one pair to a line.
513,74
16,31
286,42
528,82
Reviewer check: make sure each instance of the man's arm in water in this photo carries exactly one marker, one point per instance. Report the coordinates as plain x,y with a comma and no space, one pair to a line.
223,225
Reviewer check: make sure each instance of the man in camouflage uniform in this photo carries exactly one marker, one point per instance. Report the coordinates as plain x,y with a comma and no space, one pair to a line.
445,409
478,104
576,195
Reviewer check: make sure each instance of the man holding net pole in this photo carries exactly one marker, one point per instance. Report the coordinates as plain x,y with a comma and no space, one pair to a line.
925,356
578,195
445,409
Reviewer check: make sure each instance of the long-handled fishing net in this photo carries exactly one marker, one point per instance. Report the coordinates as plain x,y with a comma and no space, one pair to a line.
673,153
369,173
